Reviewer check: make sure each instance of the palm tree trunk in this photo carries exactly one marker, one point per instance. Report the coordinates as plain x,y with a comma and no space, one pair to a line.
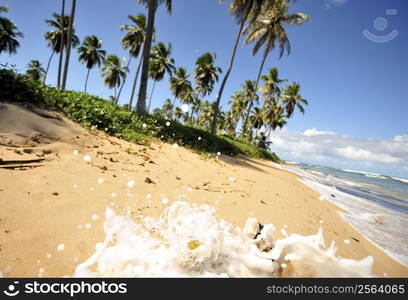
116,99
141,102
227,74
71,24
135,82
62,45
86,80
48,65
124,79
251,101
151,96
174,107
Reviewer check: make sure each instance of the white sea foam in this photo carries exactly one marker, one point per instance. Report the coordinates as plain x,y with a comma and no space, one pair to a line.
189,241
400,179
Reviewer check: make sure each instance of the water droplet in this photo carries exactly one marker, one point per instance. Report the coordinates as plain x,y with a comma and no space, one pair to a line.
101,180
61,247
95,217
131,184
144,125
76,152
185,108
165,200
175,146
87,158
167,124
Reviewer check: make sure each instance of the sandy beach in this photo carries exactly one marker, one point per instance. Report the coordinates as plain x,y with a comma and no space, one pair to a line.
62,199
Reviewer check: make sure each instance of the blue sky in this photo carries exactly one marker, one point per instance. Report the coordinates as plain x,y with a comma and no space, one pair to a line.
357,88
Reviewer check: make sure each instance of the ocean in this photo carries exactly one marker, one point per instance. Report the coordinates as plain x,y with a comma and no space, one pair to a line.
376,205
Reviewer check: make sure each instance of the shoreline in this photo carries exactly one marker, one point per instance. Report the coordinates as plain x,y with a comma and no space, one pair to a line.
319,188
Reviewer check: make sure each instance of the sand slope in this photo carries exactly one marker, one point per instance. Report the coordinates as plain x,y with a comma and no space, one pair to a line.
61,201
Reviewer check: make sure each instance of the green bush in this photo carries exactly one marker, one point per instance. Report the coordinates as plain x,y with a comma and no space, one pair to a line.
96,113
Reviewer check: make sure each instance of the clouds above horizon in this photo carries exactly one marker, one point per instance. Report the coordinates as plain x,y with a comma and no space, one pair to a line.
386,156
329,4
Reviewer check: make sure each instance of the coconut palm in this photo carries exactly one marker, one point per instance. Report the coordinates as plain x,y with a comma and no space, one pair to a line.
275,116
180,85
59,33
167,109
206,115
160,64
268,30
133,41
91,54
238,105
69,46
195,109
178,113
35,70
243,11
257,118
248,90
291,99
152,6
114,73
8,34
206,74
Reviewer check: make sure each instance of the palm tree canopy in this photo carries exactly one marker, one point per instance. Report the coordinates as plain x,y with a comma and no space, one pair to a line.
271,84
292,99
35,70
161,62
60,27
113,71
8,36
180,85
268,28
168,4
242,9
91,53
135,35
205,73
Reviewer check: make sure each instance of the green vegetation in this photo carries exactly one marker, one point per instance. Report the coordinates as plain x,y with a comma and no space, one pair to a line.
97,113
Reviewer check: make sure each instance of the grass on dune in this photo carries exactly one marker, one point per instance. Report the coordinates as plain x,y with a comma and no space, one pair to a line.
96,113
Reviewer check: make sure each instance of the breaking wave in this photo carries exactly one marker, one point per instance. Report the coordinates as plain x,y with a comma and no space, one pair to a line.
188,241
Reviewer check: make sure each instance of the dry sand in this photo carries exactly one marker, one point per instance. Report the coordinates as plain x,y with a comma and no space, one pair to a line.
54,202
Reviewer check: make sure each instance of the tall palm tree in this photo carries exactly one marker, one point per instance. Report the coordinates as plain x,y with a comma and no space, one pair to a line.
167,109
180,85
206,74
62,43
248,89
8,34
274,116
292,99
114,73
69,46
243,11
152,6
238,105
54,37
268,30
91,54
206,115
35,70
160,64
133,41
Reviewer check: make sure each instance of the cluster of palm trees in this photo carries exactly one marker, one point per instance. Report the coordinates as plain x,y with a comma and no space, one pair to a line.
261,22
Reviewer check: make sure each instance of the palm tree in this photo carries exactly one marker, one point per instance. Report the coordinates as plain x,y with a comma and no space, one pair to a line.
248,90
35,70
274,116
196,108
180,85
69,46
114,72
238,105
206,115
292,99
55,37
160,64
133,41
62,44
167,109
152,6
257,120
91,54
8,34
243,11
206,74
178,113
268,30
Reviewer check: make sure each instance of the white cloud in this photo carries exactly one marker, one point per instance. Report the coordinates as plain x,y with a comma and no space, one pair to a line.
329,4
386,156
313,131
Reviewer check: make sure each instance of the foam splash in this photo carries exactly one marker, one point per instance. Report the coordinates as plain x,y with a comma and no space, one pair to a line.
188,241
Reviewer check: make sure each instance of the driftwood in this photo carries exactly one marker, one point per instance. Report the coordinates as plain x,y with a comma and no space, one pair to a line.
23,166
14,162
